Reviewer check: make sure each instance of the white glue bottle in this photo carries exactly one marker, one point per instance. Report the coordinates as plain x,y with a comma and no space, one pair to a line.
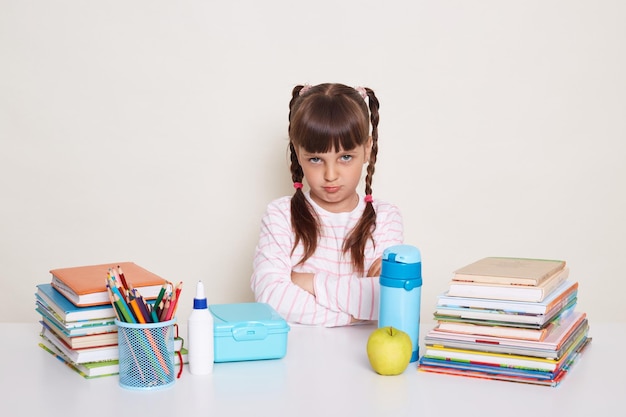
200,335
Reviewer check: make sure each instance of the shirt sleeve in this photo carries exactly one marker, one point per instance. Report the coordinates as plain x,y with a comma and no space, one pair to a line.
271,278
358,296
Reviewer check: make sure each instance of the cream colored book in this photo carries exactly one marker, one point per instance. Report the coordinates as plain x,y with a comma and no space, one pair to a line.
509,271
513,292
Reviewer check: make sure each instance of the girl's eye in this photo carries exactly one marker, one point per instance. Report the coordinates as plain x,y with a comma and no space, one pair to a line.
346,158
314,160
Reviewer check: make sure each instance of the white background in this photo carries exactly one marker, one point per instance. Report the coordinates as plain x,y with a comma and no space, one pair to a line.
155,132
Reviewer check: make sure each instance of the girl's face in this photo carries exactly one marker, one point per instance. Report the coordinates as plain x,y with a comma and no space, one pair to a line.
334,176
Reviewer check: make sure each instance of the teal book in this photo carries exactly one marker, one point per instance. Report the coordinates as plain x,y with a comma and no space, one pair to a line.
76,328
66,310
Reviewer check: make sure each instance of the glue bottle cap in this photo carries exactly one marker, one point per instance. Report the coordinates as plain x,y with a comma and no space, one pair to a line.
199,302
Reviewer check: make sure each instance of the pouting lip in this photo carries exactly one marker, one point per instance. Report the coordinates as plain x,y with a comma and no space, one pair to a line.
331,190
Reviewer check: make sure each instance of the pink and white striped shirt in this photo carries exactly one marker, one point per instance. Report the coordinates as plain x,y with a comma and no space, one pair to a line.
340,293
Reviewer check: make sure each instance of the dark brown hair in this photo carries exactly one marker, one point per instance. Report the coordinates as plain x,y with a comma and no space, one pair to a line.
329,117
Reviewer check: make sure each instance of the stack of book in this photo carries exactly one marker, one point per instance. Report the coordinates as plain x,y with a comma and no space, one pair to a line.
510,319
78,319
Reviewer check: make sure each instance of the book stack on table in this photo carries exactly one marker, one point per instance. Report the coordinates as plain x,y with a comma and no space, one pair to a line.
78,319
512,319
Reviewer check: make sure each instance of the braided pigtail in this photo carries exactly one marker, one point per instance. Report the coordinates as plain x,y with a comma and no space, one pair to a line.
303,222
364,229
374,118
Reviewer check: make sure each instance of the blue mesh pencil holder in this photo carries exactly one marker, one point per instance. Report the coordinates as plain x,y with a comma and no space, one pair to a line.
146,355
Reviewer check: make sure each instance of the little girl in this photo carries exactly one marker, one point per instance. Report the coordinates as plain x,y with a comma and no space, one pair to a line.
319,252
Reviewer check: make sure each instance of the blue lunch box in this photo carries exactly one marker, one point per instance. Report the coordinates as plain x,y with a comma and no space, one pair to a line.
248,332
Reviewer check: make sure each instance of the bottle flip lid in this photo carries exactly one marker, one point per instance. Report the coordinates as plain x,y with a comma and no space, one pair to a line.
402,267
405,254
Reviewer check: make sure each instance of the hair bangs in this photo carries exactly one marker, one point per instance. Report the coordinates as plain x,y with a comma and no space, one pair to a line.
330,124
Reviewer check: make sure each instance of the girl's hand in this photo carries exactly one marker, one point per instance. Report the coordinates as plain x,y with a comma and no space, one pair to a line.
303,280
376,268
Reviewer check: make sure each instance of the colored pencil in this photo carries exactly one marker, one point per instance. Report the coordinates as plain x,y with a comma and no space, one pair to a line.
122,277
136,311
179,288
142,305
157,303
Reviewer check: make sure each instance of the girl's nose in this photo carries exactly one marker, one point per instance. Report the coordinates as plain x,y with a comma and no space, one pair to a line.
330,173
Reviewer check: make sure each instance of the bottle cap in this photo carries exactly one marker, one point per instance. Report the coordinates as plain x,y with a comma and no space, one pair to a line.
199,302
401,267
405,254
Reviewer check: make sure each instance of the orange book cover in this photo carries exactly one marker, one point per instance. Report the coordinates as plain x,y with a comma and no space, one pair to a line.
85,285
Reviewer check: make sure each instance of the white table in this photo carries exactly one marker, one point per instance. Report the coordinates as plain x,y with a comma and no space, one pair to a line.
325,373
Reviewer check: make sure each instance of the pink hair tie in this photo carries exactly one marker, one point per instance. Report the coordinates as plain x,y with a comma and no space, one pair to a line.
362,91
368,198
297,185
304,89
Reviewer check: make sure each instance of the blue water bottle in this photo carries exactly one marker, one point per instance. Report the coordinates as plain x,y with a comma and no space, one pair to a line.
401,291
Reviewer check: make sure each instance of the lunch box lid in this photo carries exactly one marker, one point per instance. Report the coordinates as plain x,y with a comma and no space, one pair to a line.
246,321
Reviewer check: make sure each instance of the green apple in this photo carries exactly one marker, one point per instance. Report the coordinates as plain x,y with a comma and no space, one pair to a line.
389,350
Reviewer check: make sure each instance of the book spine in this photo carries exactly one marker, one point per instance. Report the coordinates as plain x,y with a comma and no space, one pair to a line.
553,284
